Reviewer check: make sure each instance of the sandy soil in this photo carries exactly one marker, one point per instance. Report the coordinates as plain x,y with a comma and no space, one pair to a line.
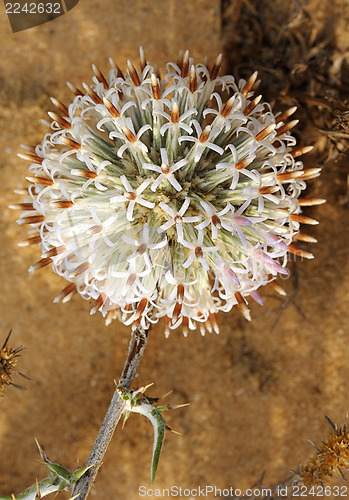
259,390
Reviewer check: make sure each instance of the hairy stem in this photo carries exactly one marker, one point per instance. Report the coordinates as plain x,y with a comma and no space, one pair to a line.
136,348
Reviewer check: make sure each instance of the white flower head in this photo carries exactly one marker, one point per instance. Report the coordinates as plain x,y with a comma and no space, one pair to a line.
157,197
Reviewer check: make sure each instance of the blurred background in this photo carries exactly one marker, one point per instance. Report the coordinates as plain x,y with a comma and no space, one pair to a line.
257,391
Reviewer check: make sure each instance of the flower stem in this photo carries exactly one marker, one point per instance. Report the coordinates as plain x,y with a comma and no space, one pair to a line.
136,348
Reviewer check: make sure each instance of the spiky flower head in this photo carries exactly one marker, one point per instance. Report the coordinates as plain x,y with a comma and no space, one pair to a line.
169,195
8,360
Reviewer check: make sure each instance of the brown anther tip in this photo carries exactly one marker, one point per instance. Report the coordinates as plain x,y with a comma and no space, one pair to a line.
216,221
299,252
268,190
43,181
176,311
80,269
310,173
285,114
192,79
306,238
249,84
29,148
74,89
54,251
278,288
100,76
228,107
142,59
62,203
141,249
286,128
141,306
40,264
309,202
155,87
67,293
205,134
130,196
34,240
180,292
174,113
31,157
250,107
87,174
31,219
242,306
185,64
165,169
111,108
69,142
129,135
301,151
62,122
133,74
199,253
60,106
95,98
286,176
243,163
302,219
21,206
216,67
265,132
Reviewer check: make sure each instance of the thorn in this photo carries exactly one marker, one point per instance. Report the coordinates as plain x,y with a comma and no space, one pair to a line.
313,444
334,426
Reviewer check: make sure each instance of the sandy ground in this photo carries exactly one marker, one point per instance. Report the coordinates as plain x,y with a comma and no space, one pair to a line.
258,391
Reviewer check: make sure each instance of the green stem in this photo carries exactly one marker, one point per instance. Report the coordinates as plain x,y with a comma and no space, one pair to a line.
116,408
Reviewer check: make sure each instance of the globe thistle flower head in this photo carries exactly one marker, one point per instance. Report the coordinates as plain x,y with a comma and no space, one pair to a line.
171,195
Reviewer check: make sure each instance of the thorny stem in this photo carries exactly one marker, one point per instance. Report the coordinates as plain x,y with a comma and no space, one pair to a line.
136,348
